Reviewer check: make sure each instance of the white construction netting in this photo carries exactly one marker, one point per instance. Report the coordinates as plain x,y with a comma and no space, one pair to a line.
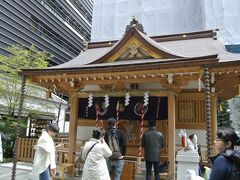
161,17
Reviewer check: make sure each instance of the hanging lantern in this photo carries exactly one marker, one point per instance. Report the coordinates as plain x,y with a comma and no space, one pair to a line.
49,93
199,84
219,107
238,90
201,72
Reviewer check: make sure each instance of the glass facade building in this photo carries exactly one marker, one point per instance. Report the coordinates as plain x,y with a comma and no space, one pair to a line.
59,27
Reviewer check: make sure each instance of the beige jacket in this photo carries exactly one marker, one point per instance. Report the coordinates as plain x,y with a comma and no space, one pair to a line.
44,154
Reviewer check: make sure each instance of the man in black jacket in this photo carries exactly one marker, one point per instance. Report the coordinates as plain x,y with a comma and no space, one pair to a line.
116,164
152,141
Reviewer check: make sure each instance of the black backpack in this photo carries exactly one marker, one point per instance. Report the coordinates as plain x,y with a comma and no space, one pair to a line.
113,144
234,156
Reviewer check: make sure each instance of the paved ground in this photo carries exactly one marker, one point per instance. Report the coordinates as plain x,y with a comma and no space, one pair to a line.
24,173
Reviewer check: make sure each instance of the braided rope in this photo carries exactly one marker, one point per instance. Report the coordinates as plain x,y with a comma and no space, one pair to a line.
141,131
207,110
117,118
15,150
97,117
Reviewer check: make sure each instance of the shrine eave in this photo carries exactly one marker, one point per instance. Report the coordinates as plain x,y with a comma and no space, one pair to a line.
126,66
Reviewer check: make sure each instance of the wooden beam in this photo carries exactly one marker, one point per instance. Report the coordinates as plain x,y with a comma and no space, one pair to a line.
190,125
73,127
171,134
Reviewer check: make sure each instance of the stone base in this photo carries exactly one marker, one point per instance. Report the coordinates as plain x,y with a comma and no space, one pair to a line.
186,160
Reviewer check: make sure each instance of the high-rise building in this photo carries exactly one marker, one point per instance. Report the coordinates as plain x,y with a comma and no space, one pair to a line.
59,27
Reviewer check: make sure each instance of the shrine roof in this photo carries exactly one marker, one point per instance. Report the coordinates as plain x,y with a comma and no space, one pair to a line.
135,47
191,47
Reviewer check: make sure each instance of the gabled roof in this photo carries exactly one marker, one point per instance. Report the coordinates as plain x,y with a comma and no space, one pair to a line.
174,47
134,39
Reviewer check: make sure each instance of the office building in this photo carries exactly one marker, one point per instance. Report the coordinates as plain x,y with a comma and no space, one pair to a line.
59,27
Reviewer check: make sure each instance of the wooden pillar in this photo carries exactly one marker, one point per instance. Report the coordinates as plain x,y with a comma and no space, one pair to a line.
214,120
171,134
72,137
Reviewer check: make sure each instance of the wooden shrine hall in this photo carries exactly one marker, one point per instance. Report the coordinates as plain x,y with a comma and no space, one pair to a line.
183,75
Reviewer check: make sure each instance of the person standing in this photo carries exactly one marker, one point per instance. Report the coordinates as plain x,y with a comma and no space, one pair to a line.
94,154
224,168
117,141
152,142
44,157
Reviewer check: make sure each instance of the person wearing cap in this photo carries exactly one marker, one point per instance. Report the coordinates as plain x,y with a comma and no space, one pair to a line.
44,157
116,165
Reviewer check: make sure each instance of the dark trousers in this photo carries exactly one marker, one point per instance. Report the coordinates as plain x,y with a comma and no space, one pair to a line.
156,166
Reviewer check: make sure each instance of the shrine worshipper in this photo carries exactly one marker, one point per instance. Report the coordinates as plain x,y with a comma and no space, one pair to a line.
117,142
94,154
44,158
152,141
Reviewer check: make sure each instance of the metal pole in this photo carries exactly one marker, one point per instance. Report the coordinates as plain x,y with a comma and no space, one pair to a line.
207,110
20,109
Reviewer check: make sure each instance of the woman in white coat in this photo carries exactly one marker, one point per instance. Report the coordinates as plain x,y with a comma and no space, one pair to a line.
95,153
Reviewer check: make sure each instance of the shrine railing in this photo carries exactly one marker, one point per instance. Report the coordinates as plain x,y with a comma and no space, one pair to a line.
26,148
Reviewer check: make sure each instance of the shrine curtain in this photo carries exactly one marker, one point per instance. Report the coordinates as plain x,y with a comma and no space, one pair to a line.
157,108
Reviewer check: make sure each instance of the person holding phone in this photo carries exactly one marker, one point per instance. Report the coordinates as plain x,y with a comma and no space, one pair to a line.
94,154
44,158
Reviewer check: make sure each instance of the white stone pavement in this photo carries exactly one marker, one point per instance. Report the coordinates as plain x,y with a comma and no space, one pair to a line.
24,172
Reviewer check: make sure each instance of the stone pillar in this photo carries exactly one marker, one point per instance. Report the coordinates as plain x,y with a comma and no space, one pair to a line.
186,160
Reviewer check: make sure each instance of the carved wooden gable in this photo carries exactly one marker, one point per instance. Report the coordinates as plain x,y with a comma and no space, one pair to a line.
134,49
135,45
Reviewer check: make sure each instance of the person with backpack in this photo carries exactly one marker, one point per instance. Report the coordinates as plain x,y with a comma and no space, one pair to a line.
225,164
117,142
152,141
94,154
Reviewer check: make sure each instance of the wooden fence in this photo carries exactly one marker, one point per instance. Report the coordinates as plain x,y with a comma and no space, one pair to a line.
26,148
